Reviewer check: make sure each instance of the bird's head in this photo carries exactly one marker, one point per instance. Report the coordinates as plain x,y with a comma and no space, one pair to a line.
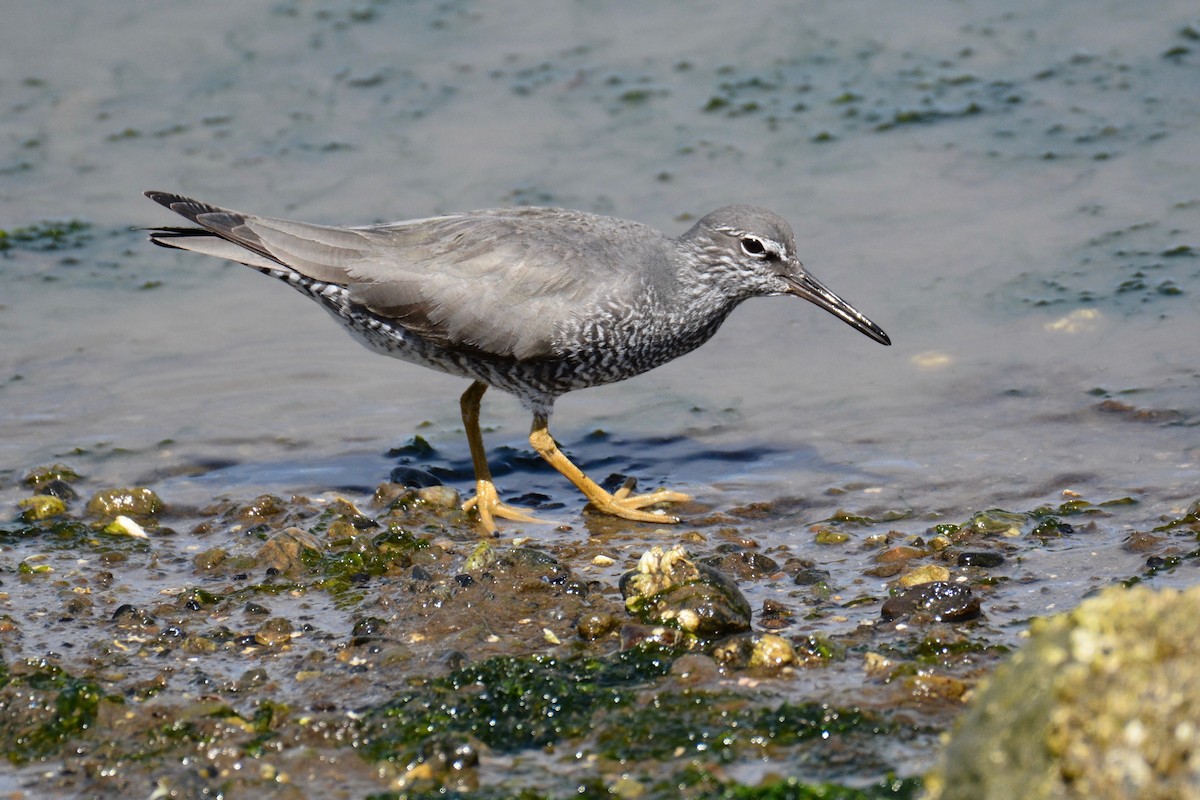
745,252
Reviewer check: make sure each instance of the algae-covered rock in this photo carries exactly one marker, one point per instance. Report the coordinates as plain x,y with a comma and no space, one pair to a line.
135,502
41,506
1103,702
668,588
285,550
38,477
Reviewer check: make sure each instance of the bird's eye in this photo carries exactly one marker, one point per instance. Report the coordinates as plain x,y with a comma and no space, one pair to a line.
752,246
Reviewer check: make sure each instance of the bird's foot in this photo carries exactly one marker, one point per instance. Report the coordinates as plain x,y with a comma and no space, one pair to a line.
486,503
626,505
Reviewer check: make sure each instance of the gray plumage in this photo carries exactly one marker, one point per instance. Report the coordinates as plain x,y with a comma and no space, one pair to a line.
533,301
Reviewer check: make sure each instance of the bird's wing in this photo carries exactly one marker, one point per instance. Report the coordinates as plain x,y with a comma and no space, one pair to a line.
496,281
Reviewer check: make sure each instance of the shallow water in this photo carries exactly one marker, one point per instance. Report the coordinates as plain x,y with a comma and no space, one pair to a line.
1011,190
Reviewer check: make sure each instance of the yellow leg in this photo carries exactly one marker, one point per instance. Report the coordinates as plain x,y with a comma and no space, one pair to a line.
486,501
622,503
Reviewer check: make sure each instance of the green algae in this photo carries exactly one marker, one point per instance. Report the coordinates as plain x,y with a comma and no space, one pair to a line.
1189,521
722,727
43,708
511,703
46,236
346,563
691,784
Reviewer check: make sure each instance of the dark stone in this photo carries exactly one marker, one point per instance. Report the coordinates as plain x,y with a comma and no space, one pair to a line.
939,600
983,559
413,478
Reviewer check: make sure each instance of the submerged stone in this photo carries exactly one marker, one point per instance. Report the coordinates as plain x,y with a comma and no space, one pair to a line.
668,588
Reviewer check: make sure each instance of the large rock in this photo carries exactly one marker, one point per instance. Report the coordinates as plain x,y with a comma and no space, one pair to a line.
1103,702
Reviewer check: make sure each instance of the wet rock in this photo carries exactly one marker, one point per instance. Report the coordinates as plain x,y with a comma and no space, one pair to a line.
252,679
261,508
1142,542
595,625
413,478
929,573
936,687
830,536
633,635
286,550
444,762
775,615
441,498
900,552
810,576
668,588
137,502
130,616
39,477
389,495
41,506
198,645
368,626
483,557
743,564
694,668
57,488
764,652
982,559
771,653
940,542
275,632
939,601
884,570
996,521
210,559
1100,703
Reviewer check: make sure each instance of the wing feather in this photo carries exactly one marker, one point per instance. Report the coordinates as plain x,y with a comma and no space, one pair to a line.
497,281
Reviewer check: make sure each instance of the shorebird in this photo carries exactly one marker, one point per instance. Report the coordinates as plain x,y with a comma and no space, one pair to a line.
534,301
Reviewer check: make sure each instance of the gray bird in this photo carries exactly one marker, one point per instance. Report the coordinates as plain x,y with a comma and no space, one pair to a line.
533,301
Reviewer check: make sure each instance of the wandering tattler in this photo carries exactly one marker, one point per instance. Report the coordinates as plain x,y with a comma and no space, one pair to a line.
534,301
